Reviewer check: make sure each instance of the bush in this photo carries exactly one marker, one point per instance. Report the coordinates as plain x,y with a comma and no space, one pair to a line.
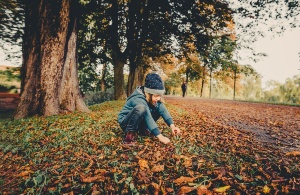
4,88
91,98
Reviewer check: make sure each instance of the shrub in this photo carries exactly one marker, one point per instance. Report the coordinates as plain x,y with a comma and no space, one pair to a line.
91,98
4,88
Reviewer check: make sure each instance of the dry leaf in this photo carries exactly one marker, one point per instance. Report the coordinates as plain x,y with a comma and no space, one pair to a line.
185,189
266,189
221,189
143,164
158,168
98,178
24,173
156,188
293,153
202,190
183,179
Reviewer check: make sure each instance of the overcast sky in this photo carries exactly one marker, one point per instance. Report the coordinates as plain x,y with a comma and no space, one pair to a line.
283,60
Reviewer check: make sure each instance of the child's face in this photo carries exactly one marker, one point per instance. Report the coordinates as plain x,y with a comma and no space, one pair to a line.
155,98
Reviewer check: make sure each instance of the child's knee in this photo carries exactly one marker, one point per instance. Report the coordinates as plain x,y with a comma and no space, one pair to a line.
141,108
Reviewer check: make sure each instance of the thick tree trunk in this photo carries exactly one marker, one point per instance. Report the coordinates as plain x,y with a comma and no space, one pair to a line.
49,70
135,78
119,79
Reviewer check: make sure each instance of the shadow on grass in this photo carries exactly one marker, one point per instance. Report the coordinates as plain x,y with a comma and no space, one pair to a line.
6,115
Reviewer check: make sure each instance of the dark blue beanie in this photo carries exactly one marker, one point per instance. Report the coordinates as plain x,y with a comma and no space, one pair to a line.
154,84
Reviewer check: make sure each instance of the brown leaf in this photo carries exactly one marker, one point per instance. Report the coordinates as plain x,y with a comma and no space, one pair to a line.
185,189
202,190
293,153
24,173
183,179
158,168
143,164
156,188
98,178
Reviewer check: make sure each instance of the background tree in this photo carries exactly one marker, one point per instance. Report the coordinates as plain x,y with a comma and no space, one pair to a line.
49,70
11,28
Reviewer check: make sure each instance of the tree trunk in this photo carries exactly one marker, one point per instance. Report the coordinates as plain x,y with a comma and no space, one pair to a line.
186,81
49,70
103,77
210,83
135,79
234,83
119,79
203,81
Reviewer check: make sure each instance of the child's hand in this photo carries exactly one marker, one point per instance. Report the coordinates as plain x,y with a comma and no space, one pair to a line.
175,130
163,139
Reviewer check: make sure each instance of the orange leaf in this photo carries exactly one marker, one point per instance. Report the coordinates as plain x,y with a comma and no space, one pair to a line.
185,189
158,168
202,190
293,153
97,178
183,179
266,189
143,164
24,173
156,188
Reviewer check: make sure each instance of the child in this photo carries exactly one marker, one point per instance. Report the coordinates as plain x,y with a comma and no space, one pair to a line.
143,108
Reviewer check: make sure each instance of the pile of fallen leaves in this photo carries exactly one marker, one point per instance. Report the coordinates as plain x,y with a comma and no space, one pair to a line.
82,154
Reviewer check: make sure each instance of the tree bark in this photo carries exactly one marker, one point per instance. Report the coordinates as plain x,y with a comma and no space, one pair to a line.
119,79
49,70
103,77
203,80
234,84
135,78
210,82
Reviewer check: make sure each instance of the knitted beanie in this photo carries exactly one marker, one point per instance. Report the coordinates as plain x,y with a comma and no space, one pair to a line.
154,84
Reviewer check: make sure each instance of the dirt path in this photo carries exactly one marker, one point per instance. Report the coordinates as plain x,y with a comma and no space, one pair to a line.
275,125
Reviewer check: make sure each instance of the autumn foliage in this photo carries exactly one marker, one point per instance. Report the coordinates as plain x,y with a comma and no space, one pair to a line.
82,154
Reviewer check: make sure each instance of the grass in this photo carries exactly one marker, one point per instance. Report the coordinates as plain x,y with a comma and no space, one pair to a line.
82,153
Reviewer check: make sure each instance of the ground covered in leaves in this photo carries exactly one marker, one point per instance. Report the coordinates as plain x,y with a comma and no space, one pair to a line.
219,152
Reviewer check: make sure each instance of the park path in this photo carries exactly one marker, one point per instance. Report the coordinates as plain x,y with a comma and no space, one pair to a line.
275,125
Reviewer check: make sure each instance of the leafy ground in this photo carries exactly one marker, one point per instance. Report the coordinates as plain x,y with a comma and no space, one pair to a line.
218,152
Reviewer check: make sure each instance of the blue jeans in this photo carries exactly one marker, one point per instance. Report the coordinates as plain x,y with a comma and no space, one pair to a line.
133,121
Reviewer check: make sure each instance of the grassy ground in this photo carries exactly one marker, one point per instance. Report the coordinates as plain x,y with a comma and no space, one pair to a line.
82,153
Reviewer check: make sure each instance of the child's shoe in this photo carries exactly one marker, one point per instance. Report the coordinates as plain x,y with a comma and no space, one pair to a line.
129,138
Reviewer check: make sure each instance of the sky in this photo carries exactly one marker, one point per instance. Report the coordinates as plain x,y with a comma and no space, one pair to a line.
283,60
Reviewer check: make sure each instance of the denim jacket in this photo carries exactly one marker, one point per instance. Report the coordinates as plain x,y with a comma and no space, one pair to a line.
152,114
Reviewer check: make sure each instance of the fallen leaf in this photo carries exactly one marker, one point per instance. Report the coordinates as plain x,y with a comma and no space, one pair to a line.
202,190
183,179
221,189
185,189
156,188
98,178
158,168
266,189
143,164
293,153
24,173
